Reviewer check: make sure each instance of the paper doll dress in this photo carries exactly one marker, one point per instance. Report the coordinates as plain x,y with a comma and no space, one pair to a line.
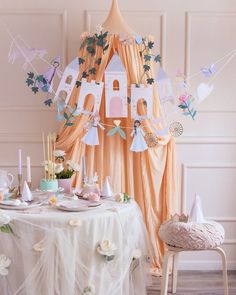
138,143
91,137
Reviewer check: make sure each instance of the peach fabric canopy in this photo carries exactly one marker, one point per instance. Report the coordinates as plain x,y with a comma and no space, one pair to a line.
148,176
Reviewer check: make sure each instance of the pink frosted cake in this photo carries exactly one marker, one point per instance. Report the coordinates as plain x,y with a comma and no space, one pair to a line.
91,188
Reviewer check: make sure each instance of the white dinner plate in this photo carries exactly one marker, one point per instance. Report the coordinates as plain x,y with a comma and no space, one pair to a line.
11,205
76,206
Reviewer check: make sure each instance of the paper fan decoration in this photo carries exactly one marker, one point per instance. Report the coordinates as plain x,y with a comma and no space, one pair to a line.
151,139
176,129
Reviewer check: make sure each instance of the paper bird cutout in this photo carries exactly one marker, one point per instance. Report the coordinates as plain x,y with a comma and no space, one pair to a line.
20,50
208,71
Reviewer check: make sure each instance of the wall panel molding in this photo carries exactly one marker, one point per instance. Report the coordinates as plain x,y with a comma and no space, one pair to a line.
27,109
189,15
206,140
61,13
184,171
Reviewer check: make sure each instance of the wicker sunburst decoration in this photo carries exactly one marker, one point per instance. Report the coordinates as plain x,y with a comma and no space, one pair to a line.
176,129
151,139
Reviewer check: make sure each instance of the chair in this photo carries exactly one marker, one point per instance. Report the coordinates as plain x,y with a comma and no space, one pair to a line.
172,254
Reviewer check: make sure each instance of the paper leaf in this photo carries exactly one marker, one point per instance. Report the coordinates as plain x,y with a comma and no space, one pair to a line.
69,124
147,57
112,131
150,81
85,74
30,75
146,68
122,133
29,82
48,102
182,106
35,89
78,83
92,71
157,58
81,60
98,61
150,44
66,116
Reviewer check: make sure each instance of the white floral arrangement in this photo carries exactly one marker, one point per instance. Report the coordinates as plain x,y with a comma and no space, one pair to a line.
4,223
122,198
5,262
107,249
62,170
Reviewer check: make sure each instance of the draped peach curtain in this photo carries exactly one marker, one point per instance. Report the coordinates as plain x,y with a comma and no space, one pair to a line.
148,176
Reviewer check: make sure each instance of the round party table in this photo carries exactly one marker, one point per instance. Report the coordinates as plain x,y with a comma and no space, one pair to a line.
55,252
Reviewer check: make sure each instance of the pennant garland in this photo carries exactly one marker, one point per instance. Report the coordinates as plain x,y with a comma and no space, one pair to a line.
44,82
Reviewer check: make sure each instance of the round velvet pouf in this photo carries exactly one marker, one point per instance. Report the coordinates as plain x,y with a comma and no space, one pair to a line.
192,235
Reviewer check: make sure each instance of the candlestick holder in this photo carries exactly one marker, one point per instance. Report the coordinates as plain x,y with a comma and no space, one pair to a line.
19,185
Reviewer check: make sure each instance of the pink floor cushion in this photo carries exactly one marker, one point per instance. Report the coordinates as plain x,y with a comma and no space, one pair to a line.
192,235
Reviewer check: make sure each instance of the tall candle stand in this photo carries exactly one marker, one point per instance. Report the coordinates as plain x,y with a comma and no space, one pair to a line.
19,185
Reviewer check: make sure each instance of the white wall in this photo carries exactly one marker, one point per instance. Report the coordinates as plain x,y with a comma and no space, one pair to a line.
190,34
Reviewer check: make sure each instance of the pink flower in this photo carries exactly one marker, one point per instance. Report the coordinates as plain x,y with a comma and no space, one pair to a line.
183,98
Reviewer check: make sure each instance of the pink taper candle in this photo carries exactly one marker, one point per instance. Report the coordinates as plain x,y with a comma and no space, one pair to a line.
28,169
19,162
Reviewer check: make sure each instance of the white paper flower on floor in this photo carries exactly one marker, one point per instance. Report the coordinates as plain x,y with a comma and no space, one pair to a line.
75,222
39,247
137,254
107,249
89,290
5,262
4,219
135,259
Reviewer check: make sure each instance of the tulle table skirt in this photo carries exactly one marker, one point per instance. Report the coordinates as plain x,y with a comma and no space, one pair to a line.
55,252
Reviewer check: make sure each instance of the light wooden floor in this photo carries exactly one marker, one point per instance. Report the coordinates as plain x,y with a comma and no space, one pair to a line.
198,283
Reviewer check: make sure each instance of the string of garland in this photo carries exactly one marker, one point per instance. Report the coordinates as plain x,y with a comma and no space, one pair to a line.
147,56
92,44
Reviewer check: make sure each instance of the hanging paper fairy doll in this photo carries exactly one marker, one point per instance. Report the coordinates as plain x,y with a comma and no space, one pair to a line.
91,137
51,72
138,143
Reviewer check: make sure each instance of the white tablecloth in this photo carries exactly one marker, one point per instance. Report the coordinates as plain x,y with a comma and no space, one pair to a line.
54,252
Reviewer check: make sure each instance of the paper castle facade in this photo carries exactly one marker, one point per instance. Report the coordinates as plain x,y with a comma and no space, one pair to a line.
87,89
144,93
116,88
67,82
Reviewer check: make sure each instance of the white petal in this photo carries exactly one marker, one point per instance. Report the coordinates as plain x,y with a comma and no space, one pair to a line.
74,222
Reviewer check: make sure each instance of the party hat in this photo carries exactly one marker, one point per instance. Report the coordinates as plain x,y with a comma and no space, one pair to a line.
106,188
26,194
196,213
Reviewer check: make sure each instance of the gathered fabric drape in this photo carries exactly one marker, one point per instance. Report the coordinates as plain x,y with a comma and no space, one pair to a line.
148,176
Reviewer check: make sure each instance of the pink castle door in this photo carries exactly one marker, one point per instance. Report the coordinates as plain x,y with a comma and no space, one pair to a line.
116,107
